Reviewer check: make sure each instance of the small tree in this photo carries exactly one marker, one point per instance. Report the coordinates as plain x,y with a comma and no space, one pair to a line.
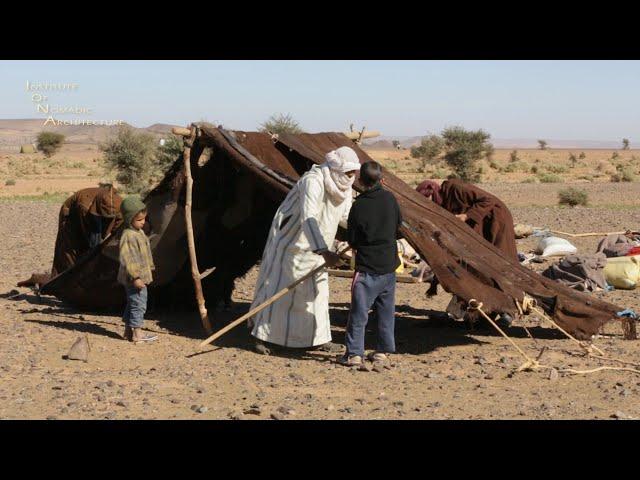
168,153
430,147
463,149
513,156
281,123
395,143
49,142
132,155
542,144
572,160
625,144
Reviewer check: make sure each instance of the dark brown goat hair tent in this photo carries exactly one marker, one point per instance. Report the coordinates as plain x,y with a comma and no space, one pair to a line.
240,178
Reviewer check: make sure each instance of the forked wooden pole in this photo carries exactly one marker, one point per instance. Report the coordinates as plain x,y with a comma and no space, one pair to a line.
195,272
264,305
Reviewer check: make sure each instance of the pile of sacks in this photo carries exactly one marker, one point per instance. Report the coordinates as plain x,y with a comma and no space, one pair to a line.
623,260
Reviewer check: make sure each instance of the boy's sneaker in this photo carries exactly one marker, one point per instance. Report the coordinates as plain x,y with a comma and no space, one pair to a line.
350,361
139,337
377,357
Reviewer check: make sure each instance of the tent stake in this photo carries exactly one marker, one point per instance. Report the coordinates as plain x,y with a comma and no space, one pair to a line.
195,273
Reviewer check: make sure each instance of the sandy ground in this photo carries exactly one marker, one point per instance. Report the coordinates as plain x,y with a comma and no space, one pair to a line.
440,371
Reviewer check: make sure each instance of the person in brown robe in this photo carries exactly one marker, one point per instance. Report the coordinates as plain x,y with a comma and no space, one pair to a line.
483,212
86,218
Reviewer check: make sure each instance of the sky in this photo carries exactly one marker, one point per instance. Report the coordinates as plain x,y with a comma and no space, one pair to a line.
586,100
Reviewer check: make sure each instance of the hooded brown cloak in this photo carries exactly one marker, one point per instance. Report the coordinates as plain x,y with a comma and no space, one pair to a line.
486,214
77,220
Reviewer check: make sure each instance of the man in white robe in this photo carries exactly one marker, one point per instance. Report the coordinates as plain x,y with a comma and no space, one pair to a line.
304,226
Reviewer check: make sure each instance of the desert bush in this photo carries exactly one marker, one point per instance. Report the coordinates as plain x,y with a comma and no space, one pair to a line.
49,142
623,175
572,160
281,123
603,166
429,149
529,180
615,156
513,156
582,156
132,156
77,165
168,153
549,178
572,196
463,149
516,167
556,168
534,169
494,165
625,144
586,177
395,143
9,183
542,144
439,174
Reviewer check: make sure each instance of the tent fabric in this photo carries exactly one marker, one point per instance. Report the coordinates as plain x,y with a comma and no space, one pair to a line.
464,262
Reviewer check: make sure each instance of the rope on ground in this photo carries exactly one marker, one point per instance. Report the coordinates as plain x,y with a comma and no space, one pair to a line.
529,304
530,363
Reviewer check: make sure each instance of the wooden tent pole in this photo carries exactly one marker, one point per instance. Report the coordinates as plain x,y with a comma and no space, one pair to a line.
195,273
265,304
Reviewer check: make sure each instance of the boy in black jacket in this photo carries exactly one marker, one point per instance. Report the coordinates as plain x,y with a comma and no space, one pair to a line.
372,232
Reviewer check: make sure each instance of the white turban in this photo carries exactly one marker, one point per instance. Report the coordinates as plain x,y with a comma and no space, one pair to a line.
337,183
343,160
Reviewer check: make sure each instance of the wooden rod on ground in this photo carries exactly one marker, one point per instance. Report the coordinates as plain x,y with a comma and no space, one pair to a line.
195,273
264,305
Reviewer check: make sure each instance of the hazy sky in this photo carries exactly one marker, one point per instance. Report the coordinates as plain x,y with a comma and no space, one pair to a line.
586,100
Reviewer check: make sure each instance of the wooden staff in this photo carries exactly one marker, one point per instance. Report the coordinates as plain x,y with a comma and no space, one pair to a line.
195,273
265,304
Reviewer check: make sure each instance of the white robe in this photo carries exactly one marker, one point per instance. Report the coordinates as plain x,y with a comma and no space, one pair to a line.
306,221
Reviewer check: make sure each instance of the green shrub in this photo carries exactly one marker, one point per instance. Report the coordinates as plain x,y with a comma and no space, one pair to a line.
281,123
513,156
582,156
494,165
534,169
9,183
132,156
556,168
49,142
529,180
624,175
429,149
572,196
463,149
549,178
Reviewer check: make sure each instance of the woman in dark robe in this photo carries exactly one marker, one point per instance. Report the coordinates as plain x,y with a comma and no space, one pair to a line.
86,218
484,213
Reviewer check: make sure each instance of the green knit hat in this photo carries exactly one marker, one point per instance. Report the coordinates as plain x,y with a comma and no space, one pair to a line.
130,207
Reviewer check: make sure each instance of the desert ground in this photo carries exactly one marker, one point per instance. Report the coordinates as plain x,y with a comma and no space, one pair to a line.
441,370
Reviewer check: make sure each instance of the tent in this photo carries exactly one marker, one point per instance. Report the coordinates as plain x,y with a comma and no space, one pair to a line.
239,179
